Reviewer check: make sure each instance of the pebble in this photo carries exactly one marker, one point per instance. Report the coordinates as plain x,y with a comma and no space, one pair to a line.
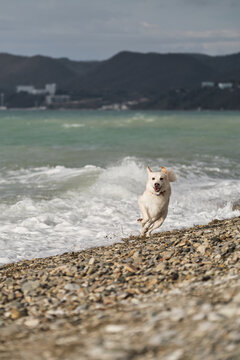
30,285
72,287
112,328
176,355
15,314
91,261
169,296
130,268
31,323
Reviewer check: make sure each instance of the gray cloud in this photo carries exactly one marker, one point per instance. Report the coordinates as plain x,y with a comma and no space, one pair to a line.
99,28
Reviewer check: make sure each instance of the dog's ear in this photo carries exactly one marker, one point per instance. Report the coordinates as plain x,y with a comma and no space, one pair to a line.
171,176
148,169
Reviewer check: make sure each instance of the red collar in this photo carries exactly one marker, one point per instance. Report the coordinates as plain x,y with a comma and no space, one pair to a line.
161,193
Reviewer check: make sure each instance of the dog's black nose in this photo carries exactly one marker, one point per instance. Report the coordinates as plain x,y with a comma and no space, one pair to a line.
156,184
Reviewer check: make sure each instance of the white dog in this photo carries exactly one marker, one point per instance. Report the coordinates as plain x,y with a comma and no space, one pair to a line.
154,201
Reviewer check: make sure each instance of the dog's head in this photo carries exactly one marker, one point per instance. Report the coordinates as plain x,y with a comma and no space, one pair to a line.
159,181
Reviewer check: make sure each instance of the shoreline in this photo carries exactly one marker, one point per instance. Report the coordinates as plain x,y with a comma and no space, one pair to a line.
173,296
41,260
120,110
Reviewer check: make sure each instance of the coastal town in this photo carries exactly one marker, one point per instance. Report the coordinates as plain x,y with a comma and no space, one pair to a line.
27,96
148,82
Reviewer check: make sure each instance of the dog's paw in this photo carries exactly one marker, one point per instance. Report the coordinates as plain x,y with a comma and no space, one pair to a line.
140,219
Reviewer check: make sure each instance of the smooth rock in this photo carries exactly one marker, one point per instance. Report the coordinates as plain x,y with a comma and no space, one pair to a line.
72,287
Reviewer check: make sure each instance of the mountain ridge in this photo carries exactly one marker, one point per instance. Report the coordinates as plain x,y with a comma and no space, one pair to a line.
125,75
152,72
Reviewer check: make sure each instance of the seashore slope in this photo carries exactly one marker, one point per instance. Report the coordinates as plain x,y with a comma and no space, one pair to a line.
175,296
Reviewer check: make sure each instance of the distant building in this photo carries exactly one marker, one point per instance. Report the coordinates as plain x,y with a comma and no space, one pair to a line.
207,84
25,88
57,99
49,89
225,85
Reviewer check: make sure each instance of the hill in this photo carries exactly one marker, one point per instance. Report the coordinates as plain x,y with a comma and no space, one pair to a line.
125,76
39,70
129,74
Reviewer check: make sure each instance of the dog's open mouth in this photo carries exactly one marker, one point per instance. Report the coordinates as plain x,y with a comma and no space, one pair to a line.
157,187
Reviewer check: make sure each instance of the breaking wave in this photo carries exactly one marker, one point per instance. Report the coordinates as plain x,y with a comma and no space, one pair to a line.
59,209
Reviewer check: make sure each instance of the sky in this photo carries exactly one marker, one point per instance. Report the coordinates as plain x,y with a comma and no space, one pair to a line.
98,29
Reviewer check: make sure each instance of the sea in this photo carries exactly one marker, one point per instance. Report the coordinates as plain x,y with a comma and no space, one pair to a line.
70,180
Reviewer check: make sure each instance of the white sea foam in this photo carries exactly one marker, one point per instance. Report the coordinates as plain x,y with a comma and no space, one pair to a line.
69,126
69,209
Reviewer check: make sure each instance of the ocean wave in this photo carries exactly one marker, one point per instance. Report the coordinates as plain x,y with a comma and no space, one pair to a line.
69,126
92,206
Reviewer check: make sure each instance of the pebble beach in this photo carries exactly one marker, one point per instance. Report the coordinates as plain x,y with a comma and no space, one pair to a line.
174,296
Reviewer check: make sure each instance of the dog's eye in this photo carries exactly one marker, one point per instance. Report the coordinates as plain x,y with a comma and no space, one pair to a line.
153,178
161,178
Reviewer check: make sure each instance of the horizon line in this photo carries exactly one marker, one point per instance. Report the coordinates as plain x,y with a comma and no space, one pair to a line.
119,52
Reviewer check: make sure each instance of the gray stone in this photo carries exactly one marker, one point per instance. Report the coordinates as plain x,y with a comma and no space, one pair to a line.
30,285
72,287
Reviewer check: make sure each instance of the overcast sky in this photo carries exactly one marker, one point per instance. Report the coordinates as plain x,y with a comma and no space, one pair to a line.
98,29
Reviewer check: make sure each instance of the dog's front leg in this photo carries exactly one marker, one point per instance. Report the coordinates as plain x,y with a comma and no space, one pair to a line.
145,227
155,225
144,212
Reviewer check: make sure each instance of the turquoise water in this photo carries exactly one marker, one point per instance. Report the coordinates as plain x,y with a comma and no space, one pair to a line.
70,179
72,138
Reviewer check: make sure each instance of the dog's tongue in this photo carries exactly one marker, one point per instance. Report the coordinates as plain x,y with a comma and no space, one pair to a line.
157,188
